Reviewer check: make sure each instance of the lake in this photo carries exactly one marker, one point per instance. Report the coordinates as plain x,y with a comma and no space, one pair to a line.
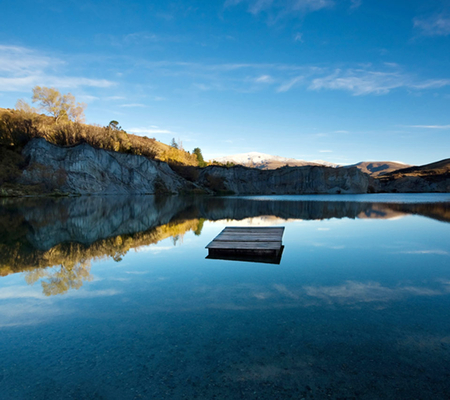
113,298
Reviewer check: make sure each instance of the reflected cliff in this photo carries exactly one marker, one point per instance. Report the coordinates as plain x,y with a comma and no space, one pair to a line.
54,241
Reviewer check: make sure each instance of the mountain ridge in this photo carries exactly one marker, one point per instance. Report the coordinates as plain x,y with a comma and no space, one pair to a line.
268,162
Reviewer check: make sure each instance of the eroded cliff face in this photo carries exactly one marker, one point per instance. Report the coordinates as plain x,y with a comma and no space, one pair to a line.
289,180
84,170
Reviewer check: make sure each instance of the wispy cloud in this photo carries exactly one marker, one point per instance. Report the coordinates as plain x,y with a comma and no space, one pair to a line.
152,130
137,39
359,81
430,126
264,79
355,4
281,8
352,292
365,81
436,25
133,105
23,68
290,84
325,151
362,79
298,37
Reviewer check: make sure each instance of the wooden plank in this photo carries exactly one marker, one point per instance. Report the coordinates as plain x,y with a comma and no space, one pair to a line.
246,238
244,245
262,229
262,233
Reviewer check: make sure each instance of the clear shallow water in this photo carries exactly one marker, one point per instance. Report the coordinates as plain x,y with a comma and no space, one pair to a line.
113,298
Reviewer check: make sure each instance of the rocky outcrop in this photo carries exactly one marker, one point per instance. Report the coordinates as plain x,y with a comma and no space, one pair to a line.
288,180
83,169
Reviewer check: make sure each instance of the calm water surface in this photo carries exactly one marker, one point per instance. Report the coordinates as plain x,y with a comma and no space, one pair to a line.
112,298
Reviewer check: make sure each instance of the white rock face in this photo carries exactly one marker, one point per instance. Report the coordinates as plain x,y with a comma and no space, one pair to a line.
83,169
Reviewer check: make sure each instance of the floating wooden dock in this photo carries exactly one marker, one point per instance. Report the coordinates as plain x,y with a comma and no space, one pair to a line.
248,244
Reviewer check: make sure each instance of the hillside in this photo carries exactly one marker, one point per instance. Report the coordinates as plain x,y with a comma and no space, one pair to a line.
431,178
377,168
435,168
267,161
18,127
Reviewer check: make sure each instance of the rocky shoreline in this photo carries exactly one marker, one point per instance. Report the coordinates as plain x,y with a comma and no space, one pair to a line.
84,170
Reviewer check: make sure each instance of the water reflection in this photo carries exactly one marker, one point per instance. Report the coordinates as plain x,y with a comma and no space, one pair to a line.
54,241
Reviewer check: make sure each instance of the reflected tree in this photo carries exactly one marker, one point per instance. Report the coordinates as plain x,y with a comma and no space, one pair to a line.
60,279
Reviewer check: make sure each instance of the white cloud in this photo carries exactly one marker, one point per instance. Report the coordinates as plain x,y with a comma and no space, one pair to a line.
431,84
290,84
325,151
436,25
133,105
366,81
359,81
298,37
20,60
150,131
23,68
355,4
264,79
362,79
282,7
430,126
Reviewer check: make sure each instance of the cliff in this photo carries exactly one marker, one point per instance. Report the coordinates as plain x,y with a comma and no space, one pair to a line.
83,169
43,168
288,180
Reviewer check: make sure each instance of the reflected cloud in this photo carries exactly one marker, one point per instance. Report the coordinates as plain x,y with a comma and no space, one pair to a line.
285,291
352,292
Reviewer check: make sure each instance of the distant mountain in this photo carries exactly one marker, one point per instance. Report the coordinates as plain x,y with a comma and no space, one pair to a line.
267,161
377,168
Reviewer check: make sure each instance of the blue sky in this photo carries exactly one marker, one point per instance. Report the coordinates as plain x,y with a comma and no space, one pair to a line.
338,80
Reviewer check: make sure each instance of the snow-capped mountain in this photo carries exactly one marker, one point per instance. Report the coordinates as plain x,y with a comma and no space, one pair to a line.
267,161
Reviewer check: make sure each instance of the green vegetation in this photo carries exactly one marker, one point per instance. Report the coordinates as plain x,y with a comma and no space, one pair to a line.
198,153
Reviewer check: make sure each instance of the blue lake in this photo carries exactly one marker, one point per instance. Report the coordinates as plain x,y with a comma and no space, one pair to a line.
112,298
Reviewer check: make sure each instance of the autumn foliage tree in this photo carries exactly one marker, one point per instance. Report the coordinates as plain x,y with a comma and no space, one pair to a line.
59,106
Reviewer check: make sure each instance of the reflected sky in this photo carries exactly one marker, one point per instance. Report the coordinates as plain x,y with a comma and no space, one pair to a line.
114,298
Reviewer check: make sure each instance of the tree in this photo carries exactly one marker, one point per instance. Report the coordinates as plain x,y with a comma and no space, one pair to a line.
59,106
198,153
114,125
25,108
174,143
